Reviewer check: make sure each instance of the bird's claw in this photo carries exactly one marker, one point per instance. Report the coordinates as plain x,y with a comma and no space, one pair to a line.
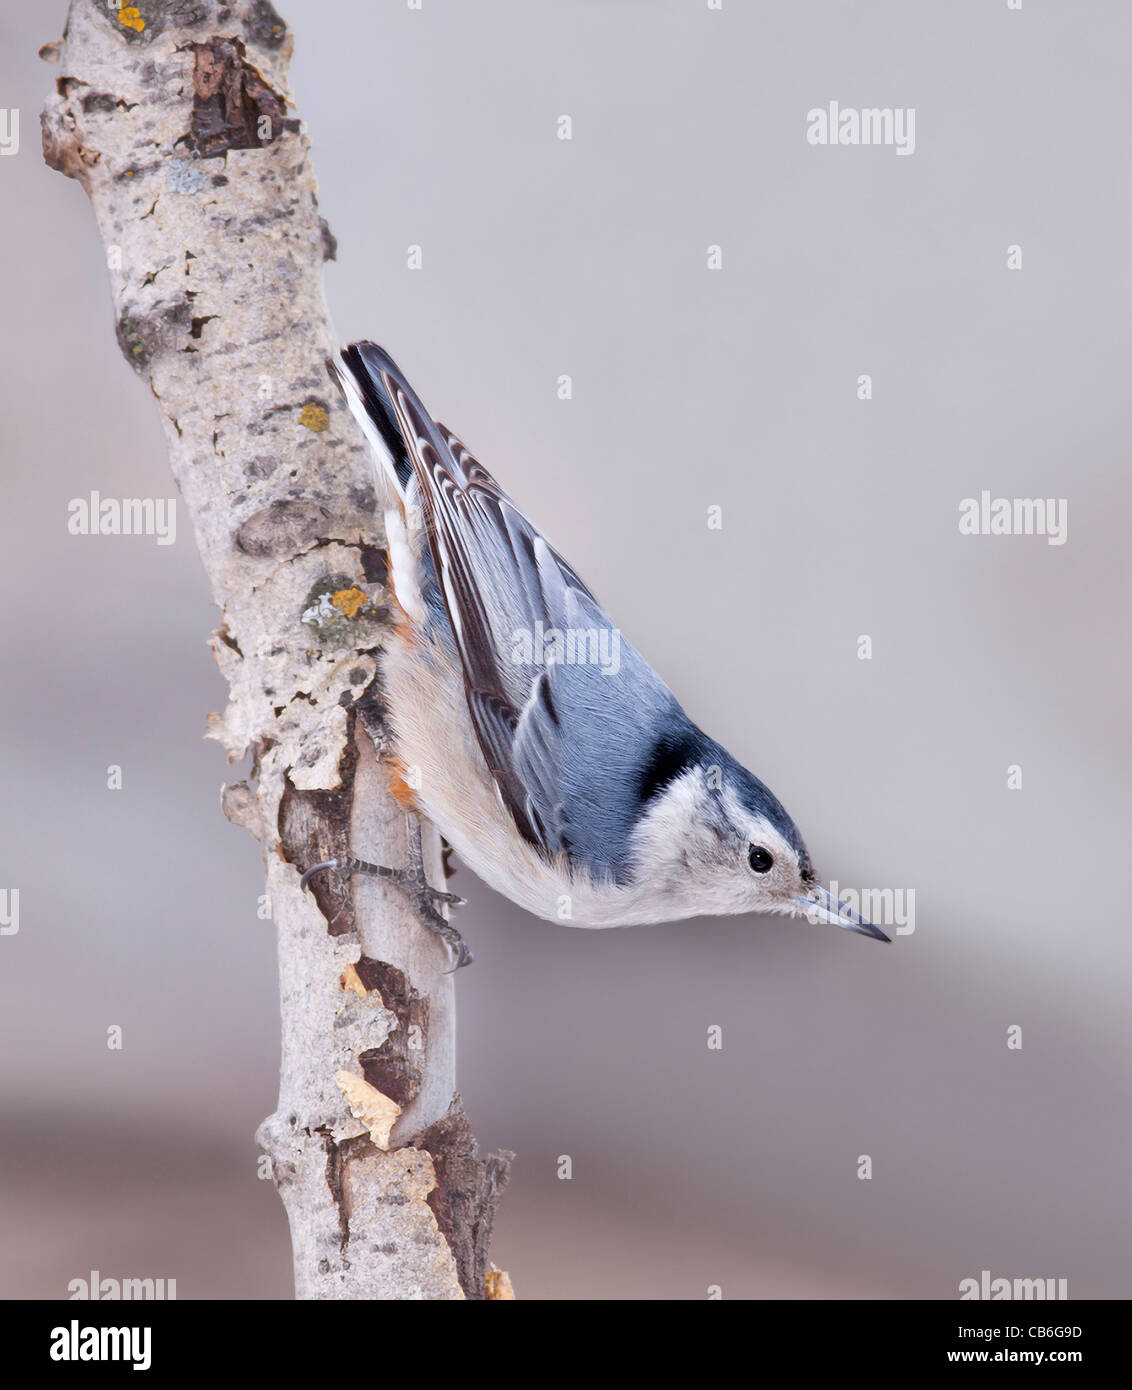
463,955
315,869
452,899
412,881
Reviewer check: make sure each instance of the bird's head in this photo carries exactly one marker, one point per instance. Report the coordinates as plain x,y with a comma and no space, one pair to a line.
713,840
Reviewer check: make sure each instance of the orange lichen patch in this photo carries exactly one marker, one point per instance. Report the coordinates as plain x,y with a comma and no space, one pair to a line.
130,18
348,601
499,1284
314,417
399,788
350,979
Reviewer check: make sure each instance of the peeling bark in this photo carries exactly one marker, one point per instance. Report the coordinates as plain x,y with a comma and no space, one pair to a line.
173,117
465,1194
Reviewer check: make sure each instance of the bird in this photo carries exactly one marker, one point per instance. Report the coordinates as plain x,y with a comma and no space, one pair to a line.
541,745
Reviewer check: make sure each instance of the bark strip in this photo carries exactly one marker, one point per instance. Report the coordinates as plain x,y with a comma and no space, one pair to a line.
178,121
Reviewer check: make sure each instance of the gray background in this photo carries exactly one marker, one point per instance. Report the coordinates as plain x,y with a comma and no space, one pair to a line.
735,388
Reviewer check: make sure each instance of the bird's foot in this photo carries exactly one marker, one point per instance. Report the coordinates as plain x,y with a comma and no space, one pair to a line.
414,883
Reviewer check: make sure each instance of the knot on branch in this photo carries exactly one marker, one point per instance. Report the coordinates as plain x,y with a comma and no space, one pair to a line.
145,333
233,107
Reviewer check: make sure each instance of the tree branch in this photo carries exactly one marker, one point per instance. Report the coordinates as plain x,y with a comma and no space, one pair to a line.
173,115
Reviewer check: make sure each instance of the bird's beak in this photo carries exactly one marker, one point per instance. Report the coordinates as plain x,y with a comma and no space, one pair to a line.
819,905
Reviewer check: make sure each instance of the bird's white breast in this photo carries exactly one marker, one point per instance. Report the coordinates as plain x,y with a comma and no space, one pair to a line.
442,762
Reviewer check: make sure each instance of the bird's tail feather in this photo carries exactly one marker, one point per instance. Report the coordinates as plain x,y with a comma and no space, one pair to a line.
367,376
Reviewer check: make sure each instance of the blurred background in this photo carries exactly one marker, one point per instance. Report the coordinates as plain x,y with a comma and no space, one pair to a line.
735,388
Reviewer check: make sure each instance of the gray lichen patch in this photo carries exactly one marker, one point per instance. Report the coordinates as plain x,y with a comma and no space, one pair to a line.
292,685
183,176
340,613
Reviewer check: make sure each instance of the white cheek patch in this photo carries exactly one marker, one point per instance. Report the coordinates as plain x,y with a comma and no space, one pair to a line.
663,836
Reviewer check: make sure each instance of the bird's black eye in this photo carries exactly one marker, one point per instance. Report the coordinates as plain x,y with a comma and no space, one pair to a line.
759,859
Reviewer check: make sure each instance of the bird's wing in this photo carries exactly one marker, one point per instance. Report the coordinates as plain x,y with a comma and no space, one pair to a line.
555,736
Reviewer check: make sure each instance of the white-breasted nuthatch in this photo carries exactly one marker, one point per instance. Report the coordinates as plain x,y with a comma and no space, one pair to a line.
546,750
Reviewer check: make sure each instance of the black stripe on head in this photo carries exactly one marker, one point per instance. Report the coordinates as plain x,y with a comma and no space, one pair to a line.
761,801
673,753
365,367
